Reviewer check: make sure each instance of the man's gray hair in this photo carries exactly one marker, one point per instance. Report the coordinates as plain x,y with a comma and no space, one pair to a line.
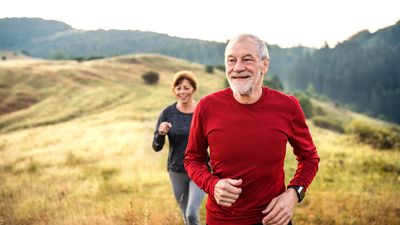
261,45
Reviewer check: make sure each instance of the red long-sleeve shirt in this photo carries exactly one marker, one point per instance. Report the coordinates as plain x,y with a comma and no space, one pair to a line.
248,142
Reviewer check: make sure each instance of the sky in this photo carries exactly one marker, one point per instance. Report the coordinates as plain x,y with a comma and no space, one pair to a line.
286,23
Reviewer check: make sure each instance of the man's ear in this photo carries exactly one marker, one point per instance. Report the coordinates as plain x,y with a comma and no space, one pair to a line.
265,63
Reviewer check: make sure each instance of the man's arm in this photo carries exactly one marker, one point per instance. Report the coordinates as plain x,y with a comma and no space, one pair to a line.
280,210
196,153
304,149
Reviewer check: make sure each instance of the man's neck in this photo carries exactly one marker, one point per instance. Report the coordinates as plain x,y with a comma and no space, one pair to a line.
250,98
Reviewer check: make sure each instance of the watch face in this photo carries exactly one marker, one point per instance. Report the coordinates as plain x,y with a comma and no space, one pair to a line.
300,190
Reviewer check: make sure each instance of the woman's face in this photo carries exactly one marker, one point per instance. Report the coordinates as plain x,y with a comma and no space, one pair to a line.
184,91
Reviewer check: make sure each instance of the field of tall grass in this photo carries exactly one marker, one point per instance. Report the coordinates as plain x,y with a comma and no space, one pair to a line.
81,154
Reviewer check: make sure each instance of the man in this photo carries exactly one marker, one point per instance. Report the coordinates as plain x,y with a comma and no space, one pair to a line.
246,128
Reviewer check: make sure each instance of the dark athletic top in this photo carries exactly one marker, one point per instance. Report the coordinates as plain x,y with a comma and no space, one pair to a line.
177,136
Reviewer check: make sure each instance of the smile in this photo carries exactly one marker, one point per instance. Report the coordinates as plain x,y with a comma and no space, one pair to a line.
240,77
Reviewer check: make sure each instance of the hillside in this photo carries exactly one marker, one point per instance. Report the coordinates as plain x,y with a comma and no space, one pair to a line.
75,148
361,73
47,92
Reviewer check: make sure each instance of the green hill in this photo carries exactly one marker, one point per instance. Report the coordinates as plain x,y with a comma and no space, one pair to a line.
47,92
75,148
361,73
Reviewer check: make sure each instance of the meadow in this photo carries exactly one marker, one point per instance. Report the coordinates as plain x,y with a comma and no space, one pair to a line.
78,150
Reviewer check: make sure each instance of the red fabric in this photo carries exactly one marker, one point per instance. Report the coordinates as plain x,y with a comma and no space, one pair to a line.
248,142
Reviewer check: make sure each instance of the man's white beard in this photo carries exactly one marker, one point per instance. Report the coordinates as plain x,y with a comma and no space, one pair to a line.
243,87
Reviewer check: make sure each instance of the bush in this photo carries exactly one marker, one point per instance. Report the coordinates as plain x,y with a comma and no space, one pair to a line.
306,104
328,123
151,77
209,69
378,136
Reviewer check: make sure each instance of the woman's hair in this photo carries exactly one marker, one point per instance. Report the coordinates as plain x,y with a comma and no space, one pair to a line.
184,75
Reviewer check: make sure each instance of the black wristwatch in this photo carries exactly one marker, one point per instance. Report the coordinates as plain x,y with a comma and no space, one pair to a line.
300,192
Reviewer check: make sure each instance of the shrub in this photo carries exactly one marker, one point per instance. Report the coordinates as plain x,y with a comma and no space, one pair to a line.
306,104
378,136
3,58
209,69
151,77
328,123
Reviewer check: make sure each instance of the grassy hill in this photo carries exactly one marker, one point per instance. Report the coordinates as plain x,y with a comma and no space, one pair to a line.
75,148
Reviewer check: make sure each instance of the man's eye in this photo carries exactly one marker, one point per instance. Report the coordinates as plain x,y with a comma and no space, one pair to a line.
248,60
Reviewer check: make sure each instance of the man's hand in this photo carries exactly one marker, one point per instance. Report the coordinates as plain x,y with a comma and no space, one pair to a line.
280,210
226,191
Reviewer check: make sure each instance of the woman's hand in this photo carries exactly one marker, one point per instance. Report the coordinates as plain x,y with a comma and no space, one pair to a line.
164,128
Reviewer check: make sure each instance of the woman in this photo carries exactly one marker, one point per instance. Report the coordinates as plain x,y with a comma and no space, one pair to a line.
174,121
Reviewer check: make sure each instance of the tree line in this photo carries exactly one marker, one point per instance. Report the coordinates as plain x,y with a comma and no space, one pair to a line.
362,73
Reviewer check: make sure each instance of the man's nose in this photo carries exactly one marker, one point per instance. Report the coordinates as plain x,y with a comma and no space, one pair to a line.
239,66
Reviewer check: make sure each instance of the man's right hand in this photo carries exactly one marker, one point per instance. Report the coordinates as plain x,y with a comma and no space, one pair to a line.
226,191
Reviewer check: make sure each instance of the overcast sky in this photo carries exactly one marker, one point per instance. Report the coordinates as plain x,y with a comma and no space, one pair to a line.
286,23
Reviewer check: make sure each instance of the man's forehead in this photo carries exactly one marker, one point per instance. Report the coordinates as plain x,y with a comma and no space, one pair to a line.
242,48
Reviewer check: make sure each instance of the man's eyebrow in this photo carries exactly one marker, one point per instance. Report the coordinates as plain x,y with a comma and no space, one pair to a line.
247,55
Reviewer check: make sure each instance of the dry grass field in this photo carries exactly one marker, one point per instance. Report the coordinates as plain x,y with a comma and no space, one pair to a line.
75,148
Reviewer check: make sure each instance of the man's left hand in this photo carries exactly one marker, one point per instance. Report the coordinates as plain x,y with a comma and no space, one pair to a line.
280,210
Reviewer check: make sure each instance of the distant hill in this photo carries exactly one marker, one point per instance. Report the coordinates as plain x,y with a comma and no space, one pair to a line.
20,33
362,72
53,39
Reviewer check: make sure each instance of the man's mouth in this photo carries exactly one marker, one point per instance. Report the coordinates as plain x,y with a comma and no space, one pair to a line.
240,77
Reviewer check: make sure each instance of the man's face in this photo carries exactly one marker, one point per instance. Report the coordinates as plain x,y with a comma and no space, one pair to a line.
244,68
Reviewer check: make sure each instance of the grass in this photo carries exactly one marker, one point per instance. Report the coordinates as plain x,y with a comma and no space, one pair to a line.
82,154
